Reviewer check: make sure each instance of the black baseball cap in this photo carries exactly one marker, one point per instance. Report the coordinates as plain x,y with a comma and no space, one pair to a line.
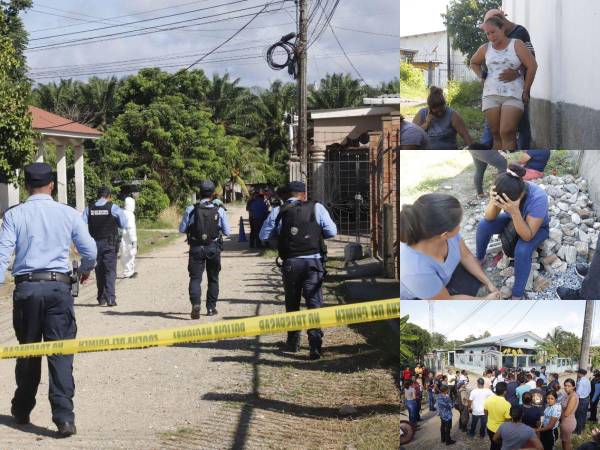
207,187
296,186
38,174
103,191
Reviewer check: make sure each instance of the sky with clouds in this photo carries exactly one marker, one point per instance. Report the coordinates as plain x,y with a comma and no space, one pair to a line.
500,317
368,32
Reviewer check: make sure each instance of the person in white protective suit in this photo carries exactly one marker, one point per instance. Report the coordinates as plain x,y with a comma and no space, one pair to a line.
129,241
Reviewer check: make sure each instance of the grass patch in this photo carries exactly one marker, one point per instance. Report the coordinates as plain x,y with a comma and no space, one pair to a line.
149,240
411,111
473,118
412,92
379,431
428,185
269,253
168,218
561,162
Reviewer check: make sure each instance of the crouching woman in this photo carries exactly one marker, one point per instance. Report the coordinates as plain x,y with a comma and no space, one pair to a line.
435,263
525,208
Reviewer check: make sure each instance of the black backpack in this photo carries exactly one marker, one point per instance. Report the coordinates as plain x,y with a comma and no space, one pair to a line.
205,227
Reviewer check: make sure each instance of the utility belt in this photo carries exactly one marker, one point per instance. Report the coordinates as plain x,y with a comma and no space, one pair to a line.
44,276
72,279
114,240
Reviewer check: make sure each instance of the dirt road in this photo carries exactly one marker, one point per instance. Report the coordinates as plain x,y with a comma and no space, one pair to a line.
206,395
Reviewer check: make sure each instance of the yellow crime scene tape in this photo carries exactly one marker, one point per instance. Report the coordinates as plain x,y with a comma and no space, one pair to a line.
327,317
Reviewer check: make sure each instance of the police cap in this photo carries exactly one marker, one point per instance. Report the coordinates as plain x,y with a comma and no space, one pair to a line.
296,186
103,191
38,174
207,187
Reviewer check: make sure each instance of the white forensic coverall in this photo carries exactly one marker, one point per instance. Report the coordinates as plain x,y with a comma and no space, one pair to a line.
129,241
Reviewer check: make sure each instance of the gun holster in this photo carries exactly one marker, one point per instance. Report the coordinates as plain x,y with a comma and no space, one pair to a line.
75,275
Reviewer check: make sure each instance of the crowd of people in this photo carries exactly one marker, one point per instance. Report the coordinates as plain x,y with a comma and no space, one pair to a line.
515,408
506,67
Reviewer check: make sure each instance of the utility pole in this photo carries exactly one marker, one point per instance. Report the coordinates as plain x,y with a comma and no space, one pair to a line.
302,97
586,336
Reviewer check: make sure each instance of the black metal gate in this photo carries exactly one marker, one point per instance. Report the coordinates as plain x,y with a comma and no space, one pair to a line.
347,192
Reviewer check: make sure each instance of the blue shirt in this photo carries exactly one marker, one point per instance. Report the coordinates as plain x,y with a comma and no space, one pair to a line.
521,390
550,412
421,276
444,407
188,217
257,208
41,230
584,388
115,211
536,204
322,217
539,159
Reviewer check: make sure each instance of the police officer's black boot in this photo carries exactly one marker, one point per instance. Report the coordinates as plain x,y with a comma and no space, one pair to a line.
293,342
195,312
66,429
315,341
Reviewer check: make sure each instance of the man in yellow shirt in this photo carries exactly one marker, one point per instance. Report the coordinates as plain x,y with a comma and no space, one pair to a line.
497,410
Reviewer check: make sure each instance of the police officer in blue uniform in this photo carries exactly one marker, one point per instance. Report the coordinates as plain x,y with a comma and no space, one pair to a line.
204,223
301,227
40,231
104,219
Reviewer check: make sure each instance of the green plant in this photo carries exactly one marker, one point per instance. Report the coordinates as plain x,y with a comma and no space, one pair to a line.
152,200
466,93
411,76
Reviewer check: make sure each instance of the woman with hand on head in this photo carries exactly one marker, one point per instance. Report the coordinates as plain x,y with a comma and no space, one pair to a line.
435,263
525,205
441,123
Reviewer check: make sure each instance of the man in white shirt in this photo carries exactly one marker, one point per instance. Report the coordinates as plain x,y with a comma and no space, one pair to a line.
476,400
530,381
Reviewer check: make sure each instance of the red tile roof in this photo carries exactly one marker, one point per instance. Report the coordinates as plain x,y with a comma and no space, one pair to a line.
47,121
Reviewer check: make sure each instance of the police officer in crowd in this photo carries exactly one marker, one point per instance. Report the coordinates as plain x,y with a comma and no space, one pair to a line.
301,227
104,219
204,223
258,210
280,197
41,230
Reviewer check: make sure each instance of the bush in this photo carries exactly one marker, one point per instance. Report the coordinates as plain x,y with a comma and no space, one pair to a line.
152,200
410,76
465,93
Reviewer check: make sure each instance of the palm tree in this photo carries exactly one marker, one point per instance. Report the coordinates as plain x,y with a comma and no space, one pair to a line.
335,91
551,346
233,106
275,103
406,338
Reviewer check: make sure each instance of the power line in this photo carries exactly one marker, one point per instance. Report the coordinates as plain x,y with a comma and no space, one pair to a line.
524,315
346,55
226,40
139,21
327,21
477,308
368,32
65,74
119,35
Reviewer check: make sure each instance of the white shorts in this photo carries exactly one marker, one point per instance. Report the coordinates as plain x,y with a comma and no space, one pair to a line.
498,101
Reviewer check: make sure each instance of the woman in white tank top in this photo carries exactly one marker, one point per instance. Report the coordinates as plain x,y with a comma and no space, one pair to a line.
503,102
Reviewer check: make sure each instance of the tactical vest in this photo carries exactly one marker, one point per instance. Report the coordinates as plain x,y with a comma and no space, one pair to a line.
205,227
101,223
300,233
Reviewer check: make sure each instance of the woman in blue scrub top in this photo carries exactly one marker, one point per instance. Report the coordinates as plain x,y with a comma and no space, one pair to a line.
526,206
435,263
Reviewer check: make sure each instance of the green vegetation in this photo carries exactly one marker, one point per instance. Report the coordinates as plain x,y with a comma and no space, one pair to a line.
462,20
412,83
16,135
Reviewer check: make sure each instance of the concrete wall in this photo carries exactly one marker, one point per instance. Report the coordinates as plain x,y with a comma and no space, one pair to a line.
588,162
564,95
